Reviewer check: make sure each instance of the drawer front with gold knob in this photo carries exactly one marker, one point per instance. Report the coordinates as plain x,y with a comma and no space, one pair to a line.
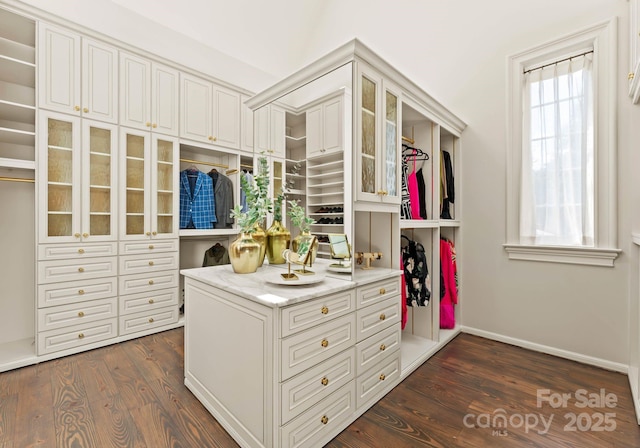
303,391
145,301
76,336
76,250
377,347
377,291
70,270
316,426
76,313
138,264
378,380
54,294
374,318
307,348
133,323
148,246
305,315
154,281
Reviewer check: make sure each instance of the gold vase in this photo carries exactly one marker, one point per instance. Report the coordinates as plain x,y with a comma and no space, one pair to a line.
302,236
261,237
278,239
244,254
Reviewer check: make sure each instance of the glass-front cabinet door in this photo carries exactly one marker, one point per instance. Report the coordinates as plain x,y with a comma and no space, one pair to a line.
389,173
164,177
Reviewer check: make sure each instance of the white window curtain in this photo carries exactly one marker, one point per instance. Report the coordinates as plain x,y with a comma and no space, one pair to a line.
557,189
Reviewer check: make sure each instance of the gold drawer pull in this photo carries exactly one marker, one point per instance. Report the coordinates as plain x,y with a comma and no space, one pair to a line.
151,300
150,246
80,313
81,291
80,269
382,316
81,335
324,343
77,235
382,347
324,419
80,251
382,290
382,377
151,282
151,263
324,310
324,381
151,320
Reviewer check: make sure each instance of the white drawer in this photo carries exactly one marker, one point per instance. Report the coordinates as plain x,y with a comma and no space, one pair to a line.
377,381
375,292
138,283
76,336
147,301
319,424
76,250
378,347
374,318
54,294
308,348
139,264
304,390
148,247
76,314
133,323
307,314
71,270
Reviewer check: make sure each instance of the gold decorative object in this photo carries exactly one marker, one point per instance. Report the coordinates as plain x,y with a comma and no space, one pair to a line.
366,257
244,254
278,239
305,236
261,237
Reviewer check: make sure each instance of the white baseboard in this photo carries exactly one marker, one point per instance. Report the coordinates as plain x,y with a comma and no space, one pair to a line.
573,356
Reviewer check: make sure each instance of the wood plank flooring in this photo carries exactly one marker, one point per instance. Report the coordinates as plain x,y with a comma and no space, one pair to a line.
473,393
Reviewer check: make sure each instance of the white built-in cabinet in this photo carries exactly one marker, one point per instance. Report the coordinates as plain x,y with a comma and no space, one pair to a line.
269,134
209,113
246,126
79,75
325,122
149,95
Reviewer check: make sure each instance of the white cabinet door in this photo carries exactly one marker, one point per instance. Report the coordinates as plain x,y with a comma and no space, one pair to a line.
246,125
196,109
277,129
314,131
99,81
391,147
164,101
135,91
333,122
135,194
59,69
165,198
262,132
226,117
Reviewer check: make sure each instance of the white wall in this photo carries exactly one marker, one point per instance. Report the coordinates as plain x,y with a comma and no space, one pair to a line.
456,50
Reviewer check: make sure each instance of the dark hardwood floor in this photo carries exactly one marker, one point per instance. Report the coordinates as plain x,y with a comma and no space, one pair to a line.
473,393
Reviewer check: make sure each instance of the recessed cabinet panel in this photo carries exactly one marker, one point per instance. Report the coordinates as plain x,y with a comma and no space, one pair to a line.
165,108
227,118
196,111
99,81
135,91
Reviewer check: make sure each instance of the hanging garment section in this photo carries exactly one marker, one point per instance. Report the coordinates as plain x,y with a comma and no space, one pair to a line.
215,256
206,200
448,284
447,189
413,200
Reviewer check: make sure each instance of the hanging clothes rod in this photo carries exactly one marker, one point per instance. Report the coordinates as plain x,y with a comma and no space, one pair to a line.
244,165
407,139
218,165
17,179
231,171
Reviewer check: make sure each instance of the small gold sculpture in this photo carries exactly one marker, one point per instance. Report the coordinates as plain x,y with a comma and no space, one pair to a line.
367,257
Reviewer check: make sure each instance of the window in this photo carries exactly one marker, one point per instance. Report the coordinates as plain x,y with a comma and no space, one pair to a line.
562,154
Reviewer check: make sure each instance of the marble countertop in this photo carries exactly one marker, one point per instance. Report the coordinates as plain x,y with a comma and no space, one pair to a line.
259,286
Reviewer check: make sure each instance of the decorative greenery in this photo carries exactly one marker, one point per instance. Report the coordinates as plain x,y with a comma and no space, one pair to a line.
258,202
298,218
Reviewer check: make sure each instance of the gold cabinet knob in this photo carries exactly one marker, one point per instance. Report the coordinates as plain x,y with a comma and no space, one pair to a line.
324,381
383,347
324,310
80,251
382,377
324,419
385,192
151,263
76,108
85,235
151,282
379,193
148,233
154,125
147,124
81,292
383,291
382,316
151,320
214,139
85,110
324,343
150,246
151,300
630,76
77,235
210,138
81,336
154,233
80,269
323,150
80,313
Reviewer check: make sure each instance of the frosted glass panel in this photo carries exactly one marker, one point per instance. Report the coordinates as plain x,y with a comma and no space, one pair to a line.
368,174
60,133
100,224
135,173
165,151
368,133
59,198
135,146
390,160
368,95
59,225
135,225
100,140
392,107
59,165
